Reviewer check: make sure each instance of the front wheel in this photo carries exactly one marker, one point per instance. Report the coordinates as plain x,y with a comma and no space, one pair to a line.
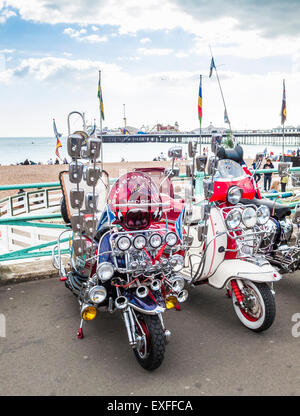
150,349
258,309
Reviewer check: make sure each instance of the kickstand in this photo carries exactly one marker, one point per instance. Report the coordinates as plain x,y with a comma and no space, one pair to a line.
228,293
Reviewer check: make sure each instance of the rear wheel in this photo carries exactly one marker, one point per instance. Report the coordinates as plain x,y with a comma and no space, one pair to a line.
258,310
150,349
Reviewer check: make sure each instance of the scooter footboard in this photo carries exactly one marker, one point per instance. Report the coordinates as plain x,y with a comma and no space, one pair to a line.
243,269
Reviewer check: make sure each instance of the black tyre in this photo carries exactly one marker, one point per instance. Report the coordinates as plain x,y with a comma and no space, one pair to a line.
261,314
63,210
150,352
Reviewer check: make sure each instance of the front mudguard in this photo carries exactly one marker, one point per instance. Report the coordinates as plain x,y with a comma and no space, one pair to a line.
145,305
244,270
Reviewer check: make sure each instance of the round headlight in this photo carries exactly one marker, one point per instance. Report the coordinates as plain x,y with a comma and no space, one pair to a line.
171,239
263,215
105,271
177,284
177,262
139,242
234,195
155,240
233,219
249,217
123,243
97,294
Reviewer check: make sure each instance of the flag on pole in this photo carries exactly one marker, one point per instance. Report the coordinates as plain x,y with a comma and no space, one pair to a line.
200,101
283,107
57,135
212,66
226,119
100,98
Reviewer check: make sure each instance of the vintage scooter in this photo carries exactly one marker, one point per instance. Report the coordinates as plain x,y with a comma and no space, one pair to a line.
280,244
124,256
226,253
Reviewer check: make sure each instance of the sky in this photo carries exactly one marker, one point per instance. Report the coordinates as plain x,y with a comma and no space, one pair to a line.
151,54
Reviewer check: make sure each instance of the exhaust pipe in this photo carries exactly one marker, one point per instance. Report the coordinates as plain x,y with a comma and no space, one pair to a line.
155,284
121,302
142,291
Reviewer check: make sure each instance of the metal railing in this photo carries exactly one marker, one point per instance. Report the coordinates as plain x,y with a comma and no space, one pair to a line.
13,223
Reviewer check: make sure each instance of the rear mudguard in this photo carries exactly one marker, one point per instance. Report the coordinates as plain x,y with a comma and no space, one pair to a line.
243,269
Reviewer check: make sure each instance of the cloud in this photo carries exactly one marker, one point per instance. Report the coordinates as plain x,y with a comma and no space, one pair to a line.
52,69
82,36
9,51
271,18
145,40
5,13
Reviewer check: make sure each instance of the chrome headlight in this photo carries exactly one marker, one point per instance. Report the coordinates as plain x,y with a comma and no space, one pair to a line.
233,219
123,243
171,239
105,271
182,296
139,242
155,240
176,262
177,283
97,294
263,215
249,217
234,195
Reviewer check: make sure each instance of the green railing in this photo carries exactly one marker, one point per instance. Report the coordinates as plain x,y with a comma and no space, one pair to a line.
31,220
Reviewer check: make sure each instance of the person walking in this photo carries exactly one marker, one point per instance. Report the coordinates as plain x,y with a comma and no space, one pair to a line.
268,175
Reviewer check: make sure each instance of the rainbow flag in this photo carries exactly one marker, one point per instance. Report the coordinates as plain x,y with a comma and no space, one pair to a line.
57,135
100,98
200,101
283,106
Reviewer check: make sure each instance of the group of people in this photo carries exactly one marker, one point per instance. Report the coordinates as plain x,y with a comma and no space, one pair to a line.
57,162
268,186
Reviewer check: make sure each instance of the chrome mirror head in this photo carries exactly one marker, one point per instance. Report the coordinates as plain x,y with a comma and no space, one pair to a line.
76,198
175,152
79,245
75,172
192,149
201,163
172,172
77,222
90,226
92,175
93,148
91,201
74,144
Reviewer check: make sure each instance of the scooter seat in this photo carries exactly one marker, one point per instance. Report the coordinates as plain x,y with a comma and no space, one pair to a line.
281,211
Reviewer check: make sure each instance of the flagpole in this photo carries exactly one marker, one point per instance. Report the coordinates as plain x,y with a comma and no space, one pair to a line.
200,118
221,91
283,142
101,123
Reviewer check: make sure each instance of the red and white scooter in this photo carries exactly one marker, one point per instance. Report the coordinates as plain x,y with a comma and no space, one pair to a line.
223,253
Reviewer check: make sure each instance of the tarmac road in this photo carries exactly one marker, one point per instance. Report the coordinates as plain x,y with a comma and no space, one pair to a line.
210,352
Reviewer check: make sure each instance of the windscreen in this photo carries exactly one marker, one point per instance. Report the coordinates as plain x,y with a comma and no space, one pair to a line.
228,169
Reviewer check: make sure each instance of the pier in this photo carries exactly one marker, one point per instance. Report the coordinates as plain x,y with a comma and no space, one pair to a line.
290,139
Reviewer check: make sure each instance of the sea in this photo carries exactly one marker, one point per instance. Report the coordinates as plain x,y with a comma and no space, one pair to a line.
14,150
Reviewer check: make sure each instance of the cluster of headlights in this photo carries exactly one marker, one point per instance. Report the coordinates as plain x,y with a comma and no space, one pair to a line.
140,241
105,270
249,217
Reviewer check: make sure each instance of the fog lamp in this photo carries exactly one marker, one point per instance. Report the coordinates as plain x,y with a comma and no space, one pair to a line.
171,302
89,313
